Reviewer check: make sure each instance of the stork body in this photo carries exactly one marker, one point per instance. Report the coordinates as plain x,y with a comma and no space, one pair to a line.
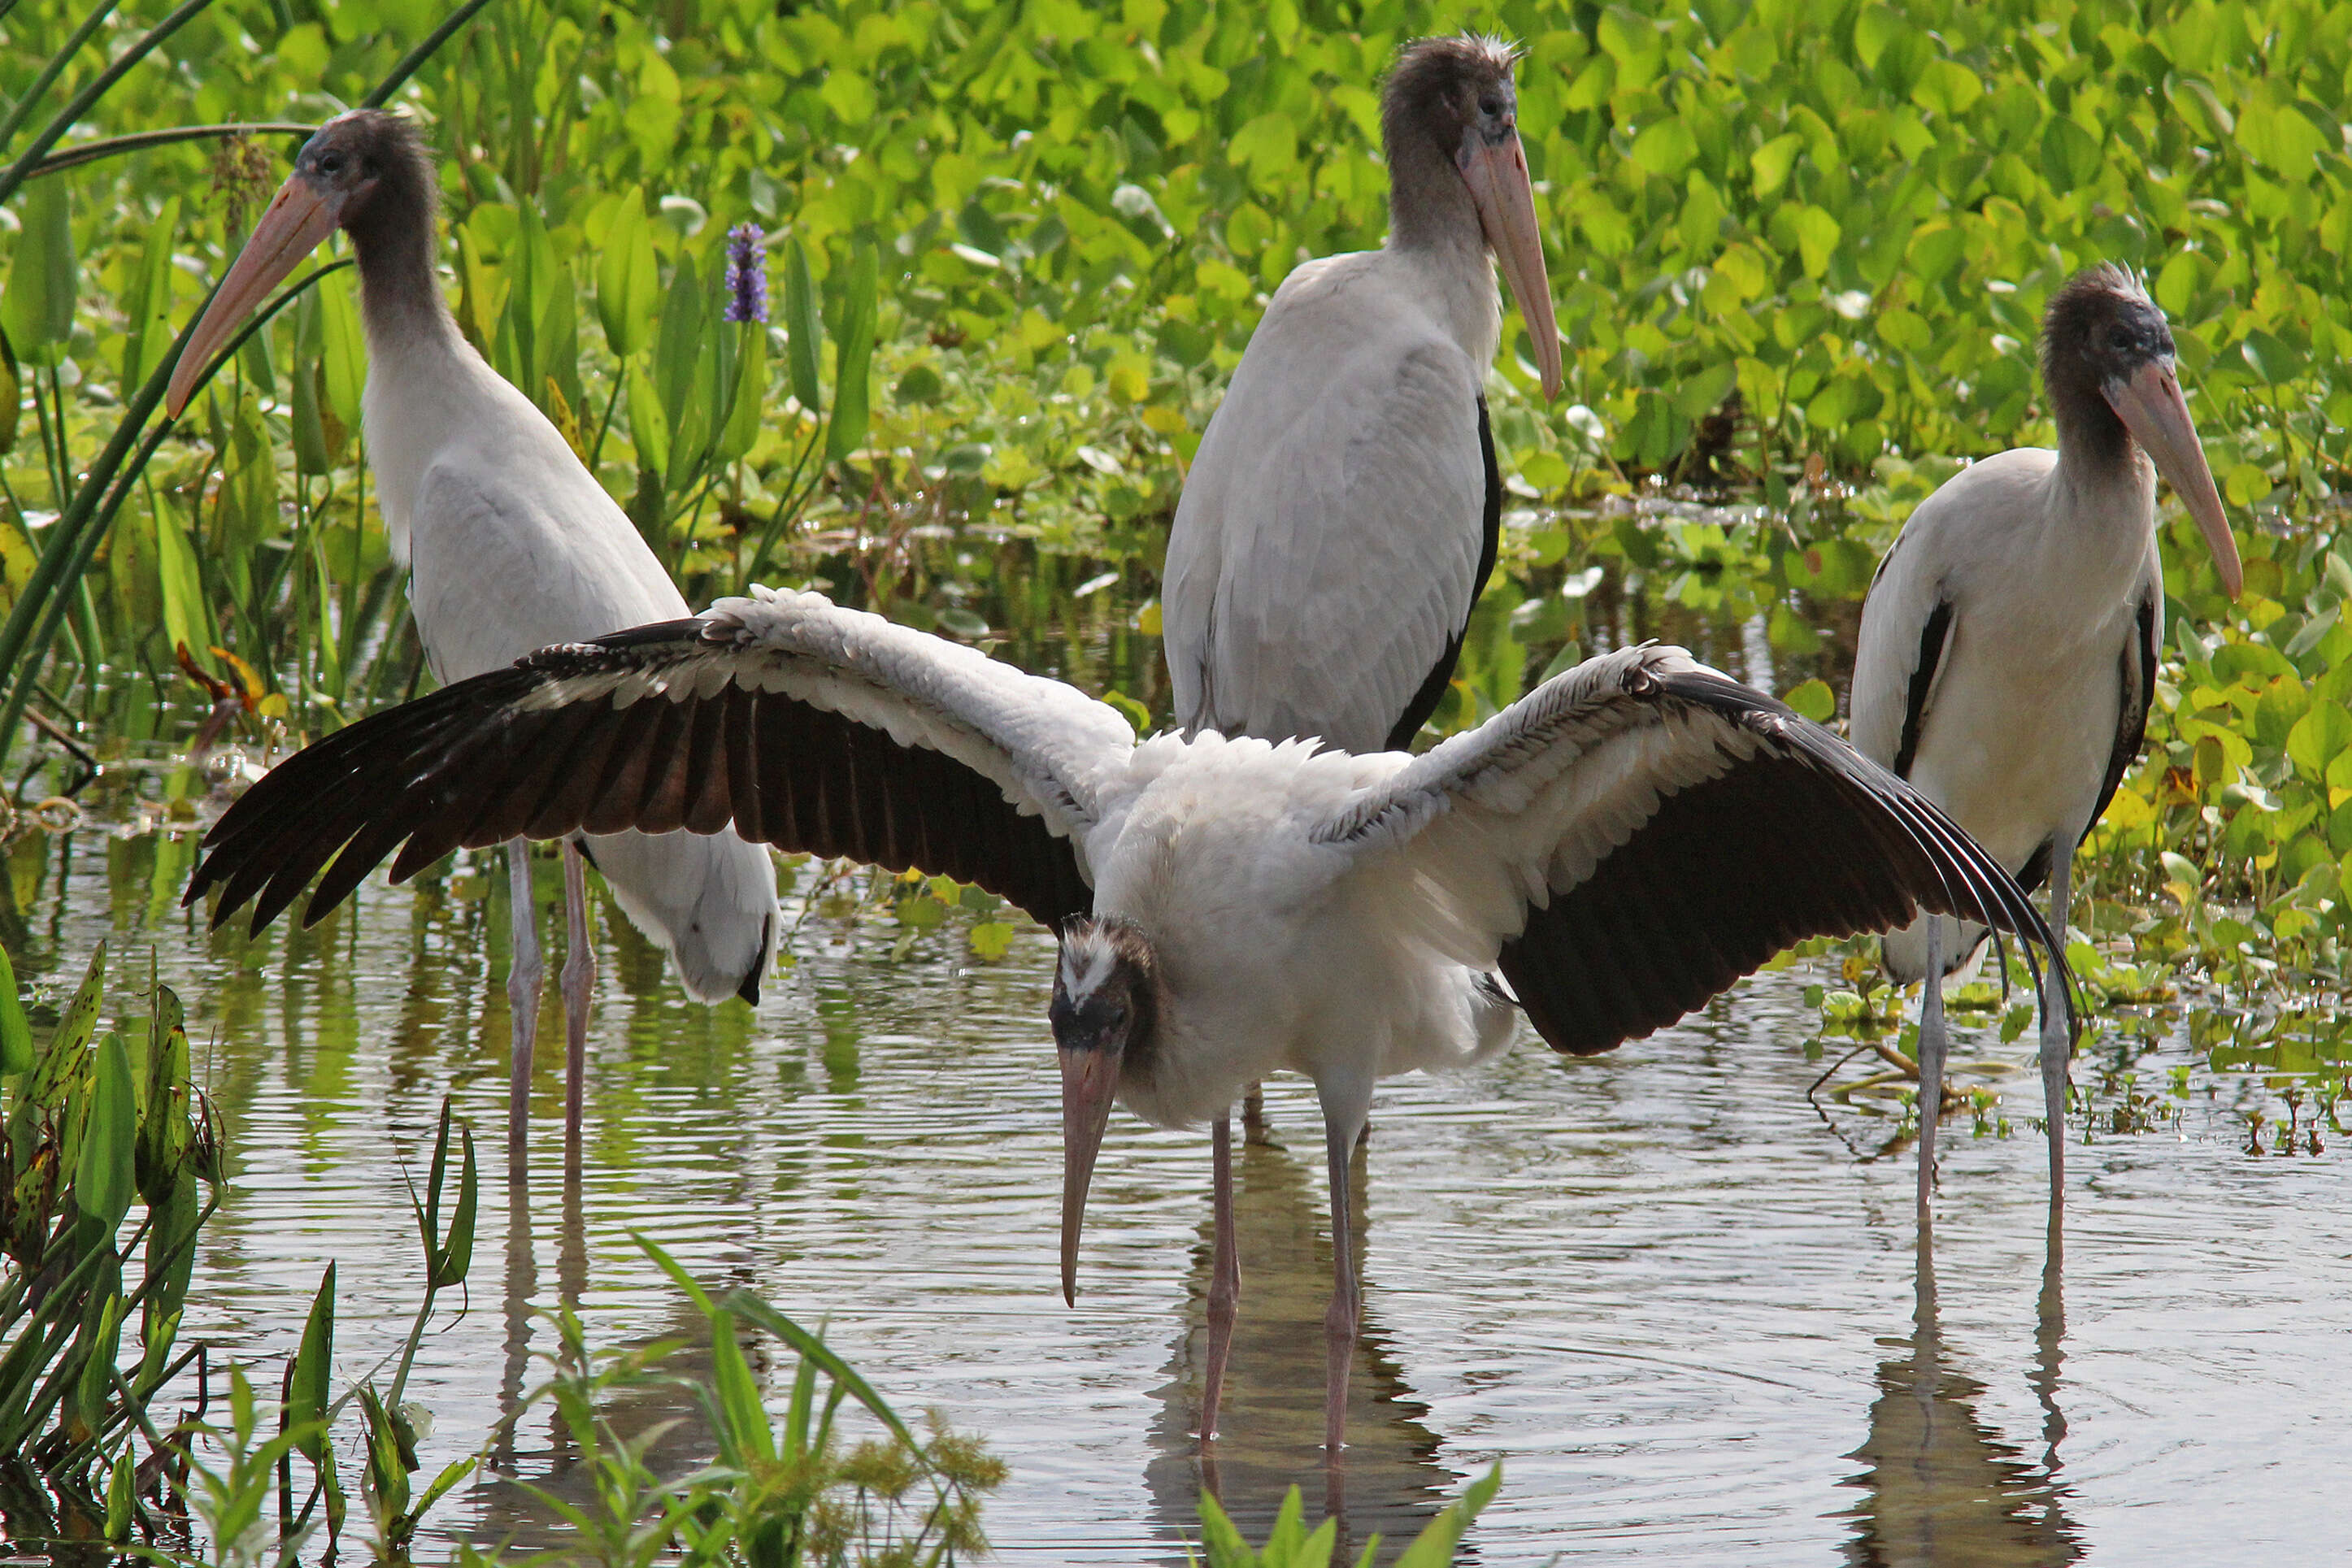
510,544
1226,906
1339,518
2009,644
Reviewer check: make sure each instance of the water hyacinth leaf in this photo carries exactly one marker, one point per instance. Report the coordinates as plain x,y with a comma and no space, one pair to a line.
745,412
37,312
306,1390
1813,700
60,1061
186,622
853,355
164,1129
147,309
679,345
803,332
2318,737
628,278
171,1257
343,351
104,1175
99,1342
648,423
15,1033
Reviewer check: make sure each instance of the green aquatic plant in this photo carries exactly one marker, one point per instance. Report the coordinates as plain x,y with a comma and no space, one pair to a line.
784,1492
1291,1545
104,1130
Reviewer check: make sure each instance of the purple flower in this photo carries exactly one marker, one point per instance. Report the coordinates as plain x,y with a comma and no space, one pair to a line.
747,275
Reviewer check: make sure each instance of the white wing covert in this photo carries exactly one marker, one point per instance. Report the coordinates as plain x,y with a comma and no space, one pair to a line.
815,728
1639,831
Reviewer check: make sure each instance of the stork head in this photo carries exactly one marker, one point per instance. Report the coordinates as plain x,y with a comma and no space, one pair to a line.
2108,363
366,172
1107,992
1454,97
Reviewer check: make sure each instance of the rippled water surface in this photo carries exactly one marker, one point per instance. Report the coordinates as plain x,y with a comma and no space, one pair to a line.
1681,1305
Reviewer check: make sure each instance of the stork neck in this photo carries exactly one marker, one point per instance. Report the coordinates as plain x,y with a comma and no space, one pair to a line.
2093,447
1431,213
399,297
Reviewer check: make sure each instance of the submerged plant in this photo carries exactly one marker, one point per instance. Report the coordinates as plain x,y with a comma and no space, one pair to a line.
779,1492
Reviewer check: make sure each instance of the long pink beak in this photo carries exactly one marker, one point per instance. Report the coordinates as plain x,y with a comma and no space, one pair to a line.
2151,407
298,218
1089,1080
1497,176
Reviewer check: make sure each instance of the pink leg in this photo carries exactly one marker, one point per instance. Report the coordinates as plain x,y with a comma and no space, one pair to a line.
524,972
1224,1279
579,983
1339,1322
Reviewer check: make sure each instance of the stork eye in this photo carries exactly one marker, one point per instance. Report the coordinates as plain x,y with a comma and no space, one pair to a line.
331,164
1490,105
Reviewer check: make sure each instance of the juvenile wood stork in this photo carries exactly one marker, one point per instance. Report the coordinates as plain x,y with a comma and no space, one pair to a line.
1340,516
511,545
1227,908
2010,639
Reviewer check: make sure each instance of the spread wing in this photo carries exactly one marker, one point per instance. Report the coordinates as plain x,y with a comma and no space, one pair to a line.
802,724
1639,831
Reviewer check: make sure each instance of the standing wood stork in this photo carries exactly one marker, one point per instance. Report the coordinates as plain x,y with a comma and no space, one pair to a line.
511,545
1340,516
1227,908
2008,643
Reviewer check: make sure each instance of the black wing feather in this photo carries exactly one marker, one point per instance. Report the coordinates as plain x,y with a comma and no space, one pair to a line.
468,766
1806,837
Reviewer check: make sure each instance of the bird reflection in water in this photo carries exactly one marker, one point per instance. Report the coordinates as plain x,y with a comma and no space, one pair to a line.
1270,1428
1945,1490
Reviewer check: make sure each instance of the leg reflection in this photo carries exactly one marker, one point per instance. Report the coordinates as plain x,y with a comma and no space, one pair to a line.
1943,1487
1270,1426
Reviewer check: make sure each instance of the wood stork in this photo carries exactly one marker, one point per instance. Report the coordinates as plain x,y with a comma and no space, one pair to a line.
1227,908
1340,516
2010,639
511,545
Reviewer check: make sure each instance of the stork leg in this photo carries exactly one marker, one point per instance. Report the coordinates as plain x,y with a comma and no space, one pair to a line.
524,973
578,984
1345,1108
2058,1017
1933,1043
1254,1114
1225,1277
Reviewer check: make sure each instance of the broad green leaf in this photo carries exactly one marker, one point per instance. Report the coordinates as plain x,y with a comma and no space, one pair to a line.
307,1394
747,410
37,312
2317,738
853,358
343,351
147,309
16,1034
1813,700
803,331
628,278
105,1175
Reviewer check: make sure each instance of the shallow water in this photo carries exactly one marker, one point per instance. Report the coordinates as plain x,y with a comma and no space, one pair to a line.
1682,1306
